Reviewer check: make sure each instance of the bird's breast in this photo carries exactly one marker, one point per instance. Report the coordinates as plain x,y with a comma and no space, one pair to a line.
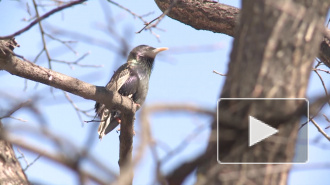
142,90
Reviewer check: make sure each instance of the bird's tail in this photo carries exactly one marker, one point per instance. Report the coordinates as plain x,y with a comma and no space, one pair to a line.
109,121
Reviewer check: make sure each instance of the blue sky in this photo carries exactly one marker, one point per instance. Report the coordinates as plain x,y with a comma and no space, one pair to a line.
181,75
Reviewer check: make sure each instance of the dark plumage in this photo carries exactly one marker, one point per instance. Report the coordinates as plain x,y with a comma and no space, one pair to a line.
132,80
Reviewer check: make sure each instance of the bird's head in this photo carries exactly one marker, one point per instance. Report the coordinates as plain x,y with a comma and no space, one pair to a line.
144,55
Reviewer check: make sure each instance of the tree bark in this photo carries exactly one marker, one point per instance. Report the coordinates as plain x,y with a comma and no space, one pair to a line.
203,15
126,148
219,18
285,36
10,169
31,71
274,48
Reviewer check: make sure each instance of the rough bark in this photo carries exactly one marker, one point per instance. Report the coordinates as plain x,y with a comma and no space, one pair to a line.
285,36
126,148
219,18
203,15
11,172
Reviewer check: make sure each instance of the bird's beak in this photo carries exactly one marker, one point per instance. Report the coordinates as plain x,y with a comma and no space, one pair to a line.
157,50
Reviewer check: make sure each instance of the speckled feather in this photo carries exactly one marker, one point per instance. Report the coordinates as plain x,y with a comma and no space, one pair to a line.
132,80
125,81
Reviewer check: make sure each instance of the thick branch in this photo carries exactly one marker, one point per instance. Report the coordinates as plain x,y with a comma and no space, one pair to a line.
10,171
126,147
219,18
203,15
31,71
258,72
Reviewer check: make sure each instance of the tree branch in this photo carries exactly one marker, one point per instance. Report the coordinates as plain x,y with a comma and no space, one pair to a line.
220,18
126,146
31,71
113,100
203,15
42,18
278,65
9,163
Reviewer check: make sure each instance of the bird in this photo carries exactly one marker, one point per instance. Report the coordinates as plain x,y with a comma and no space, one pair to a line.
131,80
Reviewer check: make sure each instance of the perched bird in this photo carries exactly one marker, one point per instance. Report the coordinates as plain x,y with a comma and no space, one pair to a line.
131,80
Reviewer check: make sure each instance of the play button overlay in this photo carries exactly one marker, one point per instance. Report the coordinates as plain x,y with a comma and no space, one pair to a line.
262,130
259,131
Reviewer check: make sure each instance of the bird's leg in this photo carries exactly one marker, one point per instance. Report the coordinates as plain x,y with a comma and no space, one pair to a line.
118,120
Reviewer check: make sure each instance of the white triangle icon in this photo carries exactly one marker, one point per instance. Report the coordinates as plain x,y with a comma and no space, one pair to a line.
259,131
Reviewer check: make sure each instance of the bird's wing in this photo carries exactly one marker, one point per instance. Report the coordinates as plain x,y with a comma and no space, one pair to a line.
126,82
119,78
131,84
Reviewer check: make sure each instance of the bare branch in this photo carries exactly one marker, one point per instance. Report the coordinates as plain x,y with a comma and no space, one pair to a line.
76,62
221,18
46,76
66,43
323,84
320,130
42,35
219,73
203,15
129,11
42,18
60,159
159,18
28,164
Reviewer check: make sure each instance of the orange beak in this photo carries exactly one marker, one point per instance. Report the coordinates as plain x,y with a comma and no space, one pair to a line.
157,50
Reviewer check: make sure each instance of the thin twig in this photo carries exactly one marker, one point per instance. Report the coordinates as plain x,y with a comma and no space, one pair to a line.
326,71
148,23
323,84
146,137
66,43
58,158
219,73
327,119
76,62
69,158
320,129
198,130
26,161
159,18
76,108
42,18
42,35
27,103
129,11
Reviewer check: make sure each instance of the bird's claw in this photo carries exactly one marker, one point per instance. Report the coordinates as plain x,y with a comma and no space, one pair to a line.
118,120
